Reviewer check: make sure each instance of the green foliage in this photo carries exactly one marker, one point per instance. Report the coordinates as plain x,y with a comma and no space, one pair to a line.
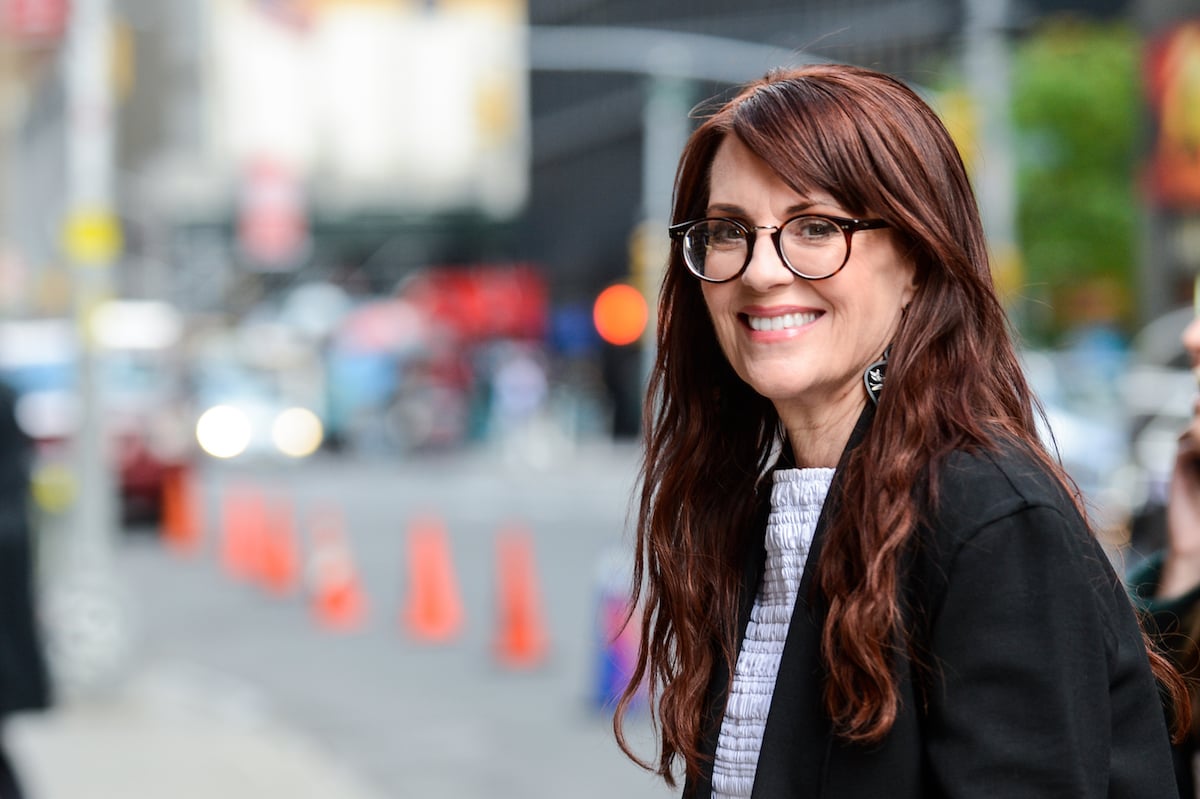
1076,110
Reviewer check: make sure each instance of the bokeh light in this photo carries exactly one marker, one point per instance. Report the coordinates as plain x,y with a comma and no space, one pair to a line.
620,314
223,431
297,432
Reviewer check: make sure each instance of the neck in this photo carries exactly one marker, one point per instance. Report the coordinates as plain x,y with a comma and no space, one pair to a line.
818,435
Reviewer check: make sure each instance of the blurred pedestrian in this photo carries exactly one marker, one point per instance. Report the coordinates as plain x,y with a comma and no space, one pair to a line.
1168,582
24,683
861,573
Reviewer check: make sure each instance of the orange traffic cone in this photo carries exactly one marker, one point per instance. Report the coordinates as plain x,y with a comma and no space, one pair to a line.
278,567
521,640
243,522
338,600
181,524
434,609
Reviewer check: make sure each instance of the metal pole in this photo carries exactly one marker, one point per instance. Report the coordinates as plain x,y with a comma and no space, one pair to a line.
665,129
87,624
986,64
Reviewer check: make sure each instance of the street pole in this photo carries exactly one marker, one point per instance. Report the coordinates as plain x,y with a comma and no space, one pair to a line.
986,65
666,125
87,619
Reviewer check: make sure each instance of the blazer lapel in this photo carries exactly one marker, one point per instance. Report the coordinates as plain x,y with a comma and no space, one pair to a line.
797,736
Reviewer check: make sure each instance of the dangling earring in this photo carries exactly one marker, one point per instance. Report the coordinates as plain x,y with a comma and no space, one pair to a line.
873,377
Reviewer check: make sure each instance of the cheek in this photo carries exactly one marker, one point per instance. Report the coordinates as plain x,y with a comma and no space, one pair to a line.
895,290
718,302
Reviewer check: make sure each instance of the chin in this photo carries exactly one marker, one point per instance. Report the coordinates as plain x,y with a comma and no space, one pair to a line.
778,392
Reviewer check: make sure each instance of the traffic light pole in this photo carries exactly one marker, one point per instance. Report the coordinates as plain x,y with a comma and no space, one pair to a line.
88,622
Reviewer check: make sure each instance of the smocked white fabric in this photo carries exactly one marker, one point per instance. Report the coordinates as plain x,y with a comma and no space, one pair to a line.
796,499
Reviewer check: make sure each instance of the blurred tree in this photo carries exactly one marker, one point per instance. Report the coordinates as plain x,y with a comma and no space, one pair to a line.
1076,110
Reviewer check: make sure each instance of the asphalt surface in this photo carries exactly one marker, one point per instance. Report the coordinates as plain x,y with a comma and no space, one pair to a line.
228,689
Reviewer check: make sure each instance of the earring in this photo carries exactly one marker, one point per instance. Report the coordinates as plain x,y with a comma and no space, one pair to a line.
873,376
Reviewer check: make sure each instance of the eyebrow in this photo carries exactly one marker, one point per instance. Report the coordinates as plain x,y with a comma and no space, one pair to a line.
737,210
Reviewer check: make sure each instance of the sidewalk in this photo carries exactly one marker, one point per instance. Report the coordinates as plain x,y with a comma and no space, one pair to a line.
172,732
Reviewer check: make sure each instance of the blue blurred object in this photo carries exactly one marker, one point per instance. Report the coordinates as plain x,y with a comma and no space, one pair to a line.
572,332
616,642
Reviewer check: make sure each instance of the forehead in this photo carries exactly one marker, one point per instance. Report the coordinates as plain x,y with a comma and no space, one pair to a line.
737,175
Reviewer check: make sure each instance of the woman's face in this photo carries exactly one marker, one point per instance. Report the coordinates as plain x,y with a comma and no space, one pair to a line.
819,335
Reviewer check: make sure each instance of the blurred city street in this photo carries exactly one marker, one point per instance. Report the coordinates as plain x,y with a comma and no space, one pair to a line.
328,326
233,692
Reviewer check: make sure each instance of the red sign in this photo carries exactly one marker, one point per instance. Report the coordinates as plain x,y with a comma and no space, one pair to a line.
481,302
1173,89
272,218
34,20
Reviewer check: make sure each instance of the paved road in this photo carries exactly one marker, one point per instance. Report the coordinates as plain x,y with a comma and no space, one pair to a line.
399,717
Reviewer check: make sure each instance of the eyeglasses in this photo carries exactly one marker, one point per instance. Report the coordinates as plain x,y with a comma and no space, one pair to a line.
811,246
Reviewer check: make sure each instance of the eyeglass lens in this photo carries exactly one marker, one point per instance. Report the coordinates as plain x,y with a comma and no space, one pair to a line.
718,249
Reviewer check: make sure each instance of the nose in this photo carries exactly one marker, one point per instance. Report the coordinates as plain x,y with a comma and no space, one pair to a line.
1191,340
766,269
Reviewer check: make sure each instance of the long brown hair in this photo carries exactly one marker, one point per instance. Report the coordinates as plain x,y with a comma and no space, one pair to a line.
954,382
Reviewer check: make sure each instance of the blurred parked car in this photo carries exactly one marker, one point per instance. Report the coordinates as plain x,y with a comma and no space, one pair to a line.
1158,391
1085,425
256,394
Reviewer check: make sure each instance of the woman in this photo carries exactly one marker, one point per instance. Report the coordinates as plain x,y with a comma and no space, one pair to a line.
1167,585
862,574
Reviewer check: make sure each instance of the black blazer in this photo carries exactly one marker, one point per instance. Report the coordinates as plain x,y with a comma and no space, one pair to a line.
1030,677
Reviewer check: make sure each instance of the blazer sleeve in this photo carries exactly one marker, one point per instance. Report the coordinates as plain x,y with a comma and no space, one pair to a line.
1169,617
1039,682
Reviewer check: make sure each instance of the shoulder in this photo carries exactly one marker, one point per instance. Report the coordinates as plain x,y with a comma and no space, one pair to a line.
976,490
985,505
1002,518
1004,527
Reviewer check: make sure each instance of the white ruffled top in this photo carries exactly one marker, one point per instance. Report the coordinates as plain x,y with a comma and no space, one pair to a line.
797,496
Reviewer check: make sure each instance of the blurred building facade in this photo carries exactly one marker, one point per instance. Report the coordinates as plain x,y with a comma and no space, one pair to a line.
400,135
258,141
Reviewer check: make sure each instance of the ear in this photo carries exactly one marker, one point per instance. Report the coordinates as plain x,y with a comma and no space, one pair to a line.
909,289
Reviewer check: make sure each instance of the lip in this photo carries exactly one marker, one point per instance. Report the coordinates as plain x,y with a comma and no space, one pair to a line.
777,322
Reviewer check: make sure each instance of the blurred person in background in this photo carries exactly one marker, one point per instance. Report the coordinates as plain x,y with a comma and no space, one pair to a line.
24,682
861,573
1167,584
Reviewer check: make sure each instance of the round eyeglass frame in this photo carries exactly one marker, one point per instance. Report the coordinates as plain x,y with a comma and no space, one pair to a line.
847,225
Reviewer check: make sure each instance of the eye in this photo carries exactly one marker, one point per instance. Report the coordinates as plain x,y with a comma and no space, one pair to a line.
812,230
720,234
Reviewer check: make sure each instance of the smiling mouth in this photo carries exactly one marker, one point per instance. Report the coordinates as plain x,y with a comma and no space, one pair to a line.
781,322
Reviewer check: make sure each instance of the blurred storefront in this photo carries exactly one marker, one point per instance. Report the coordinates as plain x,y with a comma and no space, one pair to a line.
1171,174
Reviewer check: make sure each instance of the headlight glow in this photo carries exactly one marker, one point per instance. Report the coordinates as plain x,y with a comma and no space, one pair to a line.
297,432
223,431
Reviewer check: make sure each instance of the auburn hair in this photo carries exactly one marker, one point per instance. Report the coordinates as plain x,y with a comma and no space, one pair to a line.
954,383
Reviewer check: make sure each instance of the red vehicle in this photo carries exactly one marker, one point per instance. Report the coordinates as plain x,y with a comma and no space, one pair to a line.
146,434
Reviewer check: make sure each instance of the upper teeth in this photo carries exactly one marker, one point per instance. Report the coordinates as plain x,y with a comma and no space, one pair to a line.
781,322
